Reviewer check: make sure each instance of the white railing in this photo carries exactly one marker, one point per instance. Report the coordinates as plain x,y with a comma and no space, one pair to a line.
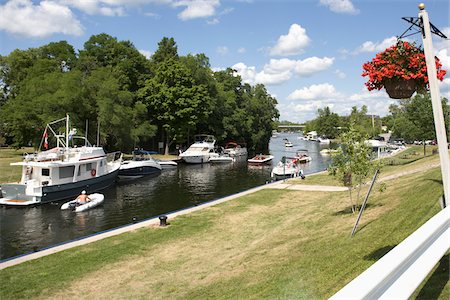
397,274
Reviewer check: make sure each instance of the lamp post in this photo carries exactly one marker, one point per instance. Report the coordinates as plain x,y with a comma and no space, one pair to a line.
436,101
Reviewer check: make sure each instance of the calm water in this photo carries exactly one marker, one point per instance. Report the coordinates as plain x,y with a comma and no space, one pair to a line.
29,228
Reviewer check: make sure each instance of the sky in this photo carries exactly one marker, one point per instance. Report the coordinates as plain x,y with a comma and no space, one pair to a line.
308,53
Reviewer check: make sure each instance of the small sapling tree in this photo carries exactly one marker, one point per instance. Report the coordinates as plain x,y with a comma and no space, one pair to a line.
352,163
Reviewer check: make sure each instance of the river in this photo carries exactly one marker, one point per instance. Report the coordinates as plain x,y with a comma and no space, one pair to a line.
27,229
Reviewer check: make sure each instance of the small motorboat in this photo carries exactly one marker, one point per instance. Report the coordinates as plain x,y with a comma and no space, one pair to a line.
142,164
288,167
224,158
96,199
167,164
260,159
302,156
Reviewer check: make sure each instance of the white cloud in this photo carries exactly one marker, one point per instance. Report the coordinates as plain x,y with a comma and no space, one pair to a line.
278,71
251,76
340,74
305,102
315,92
222,50
312,65
214,21
340,6
197,8
41,20
146,53
292,43
444,57
97,7
242,50
370,46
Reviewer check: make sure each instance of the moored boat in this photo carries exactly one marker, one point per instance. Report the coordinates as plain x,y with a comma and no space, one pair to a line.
260,159
63,171
223,158
288,167
95,200
142,164
201,150
302,156
234,149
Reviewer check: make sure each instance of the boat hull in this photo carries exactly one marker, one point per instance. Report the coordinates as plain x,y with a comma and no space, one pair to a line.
139,171
15,194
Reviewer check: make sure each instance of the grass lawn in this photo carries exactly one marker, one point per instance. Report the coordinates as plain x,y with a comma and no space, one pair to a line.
271,244
7,155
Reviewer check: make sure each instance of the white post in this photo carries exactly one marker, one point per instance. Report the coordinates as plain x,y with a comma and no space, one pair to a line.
436,101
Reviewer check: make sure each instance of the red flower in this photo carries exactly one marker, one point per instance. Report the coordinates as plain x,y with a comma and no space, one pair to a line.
400,61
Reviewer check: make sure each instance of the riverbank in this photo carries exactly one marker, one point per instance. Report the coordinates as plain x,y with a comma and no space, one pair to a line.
268,244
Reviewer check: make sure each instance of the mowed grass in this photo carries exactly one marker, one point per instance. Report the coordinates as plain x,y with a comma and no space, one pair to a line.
270,244
10,173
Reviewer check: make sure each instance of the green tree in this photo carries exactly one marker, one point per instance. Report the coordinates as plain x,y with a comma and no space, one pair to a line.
176,101
327,123
352,163
130,66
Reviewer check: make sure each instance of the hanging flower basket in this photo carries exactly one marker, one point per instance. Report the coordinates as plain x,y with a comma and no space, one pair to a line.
400,88
400,69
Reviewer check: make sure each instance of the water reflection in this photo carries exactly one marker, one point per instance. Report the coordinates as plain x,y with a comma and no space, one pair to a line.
24,228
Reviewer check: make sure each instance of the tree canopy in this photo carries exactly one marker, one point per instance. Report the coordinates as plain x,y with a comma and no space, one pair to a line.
136,101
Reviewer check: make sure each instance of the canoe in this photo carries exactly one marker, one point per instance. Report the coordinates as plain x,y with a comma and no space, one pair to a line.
96,199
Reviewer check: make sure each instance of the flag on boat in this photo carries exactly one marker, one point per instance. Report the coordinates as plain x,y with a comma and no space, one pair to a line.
72,132
45,136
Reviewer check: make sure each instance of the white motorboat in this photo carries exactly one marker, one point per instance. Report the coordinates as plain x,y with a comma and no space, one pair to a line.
311,136
288,167
201,150
167,164
96,199
324,140
234,149
260,159
142,164
288,144
223,158
302,156
63,171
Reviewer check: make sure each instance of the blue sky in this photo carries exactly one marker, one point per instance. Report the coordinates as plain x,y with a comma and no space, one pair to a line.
308,53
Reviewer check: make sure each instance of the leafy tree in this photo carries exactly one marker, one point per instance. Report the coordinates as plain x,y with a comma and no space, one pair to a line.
352,164
327,122
103,50
176,101
167,49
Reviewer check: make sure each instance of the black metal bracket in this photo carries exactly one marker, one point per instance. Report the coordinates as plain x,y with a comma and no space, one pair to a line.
417,23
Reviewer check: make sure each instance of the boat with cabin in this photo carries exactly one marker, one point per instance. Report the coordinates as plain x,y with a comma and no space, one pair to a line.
234,149
61,172
201,150
142,164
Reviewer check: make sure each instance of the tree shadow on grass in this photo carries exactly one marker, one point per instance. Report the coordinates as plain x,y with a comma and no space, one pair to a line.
437,281
348,209
379,253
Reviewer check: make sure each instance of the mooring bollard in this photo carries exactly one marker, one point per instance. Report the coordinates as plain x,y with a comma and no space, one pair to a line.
162,220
